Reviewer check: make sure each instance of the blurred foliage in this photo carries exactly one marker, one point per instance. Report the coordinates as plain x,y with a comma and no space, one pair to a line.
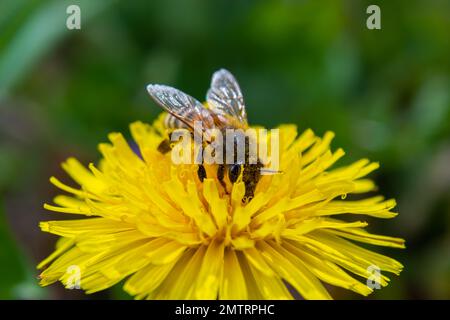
17,280
384,92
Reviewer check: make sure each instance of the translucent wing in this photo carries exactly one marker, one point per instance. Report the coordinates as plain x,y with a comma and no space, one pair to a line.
225,97
180,105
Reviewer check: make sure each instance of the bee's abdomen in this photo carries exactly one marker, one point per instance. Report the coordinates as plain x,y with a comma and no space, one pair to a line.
171,122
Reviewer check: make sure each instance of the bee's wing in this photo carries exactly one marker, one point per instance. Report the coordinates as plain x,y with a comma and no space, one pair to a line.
225,97
180,105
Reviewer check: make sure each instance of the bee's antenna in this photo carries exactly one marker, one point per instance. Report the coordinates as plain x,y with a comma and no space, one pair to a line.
270,172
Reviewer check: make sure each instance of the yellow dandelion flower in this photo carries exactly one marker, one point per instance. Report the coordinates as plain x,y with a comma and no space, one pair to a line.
172,236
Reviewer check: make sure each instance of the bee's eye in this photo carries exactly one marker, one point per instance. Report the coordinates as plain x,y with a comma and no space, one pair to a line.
233,172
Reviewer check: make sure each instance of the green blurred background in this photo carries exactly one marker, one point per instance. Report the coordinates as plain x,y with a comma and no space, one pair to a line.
384,92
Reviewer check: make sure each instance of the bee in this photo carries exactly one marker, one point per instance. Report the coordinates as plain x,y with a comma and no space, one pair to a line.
226,110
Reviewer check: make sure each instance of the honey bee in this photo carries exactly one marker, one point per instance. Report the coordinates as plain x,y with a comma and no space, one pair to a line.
226,110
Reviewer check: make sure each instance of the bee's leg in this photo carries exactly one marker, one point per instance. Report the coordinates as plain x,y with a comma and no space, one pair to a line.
250,187
201,172
164,146
221,176
251,177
